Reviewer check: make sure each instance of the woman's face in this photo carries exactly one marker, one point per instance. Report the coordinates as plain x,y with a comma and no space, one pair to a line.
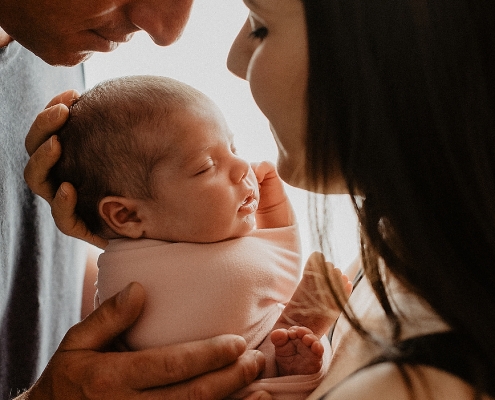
271,53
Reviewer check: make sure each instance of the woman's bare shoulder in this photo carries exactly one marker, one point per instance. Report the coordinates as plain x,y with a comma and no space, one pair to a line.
384,381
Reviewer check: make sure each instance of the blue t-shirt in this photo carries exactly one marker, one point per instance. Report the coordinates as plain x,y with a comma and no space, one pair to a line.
41,270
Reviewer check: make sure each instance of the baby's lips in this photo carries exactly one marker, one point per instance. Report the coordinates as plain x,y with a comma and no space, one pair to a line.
250,205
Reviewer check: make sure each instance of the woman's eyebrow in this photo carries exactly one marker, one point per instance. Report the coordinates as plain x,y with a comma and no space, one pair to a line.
252,3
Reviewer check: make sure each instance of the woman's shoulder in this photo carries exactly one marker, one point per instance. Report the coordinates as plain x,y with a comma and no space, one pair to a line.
386,382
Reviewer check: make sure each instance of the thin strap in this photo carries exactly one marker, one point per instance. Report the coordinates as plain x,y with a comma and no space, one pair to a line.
448,351
356,280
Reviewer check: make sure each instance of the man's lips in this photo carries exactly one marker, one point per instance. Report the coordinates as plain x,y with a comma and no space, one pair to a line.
110,41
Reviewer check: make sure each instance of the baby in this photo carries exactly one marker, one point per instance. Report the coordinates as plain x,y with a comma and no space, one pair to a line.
212,239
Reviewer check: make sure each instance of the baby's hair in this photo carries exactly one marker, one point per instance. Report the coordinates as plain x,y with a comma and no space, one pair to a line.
105,147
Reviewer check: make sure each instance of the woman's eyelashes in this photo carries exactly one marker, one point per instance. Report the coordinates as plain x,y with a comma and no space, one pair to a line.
259,33
258,30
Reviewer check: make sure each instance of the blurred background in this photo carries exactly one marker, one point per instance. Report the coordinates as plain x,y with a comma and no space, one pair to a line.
199,59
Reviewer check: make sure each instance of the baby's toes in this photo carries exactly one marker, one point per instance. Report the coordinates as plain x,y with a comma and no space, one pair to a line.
312,342
279,337
298,332
315,345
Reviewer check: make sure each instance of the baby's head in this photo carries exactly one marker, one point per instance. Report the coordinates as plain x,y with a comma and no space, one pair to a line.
140,152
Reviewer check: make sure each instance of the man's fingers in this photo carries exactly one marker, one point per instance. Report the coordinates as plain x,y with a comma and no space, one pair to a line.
183,361
233,367
66,98
49,120
38,168
46,123
108,321
221,383
176,371
66,219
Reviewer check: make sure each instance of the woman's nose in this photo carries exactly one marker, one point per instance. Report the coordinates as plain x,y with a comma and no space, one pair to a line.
240,52
163,20
240,170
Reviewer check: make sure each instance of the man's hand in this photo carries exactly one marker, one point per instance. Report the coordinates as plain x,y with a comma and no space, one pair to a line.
45,150
83,368
274,209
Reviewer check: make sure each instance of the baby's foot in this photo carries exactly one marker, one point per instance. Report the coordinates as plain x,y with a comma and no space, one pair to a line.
297,351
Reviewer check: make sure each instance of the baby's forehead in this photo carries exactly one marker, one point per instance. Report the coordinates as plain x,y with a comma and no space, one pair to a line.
194,144
185,129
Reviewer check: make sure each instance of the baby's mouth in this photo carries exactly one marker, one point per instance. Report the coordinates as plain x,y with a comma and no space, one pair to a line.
249,204
247,200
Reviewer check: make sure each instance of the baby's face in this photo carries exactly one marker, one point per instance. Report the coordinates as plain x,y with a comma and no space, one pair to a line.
203,191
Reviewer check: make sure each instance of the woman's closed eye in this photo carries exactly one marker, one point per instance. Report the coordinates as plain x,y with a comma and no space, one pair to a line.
259,33
258,30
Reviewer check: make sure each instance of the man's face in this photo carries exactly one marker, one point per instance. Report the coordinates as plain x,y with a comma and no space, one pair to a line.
65,32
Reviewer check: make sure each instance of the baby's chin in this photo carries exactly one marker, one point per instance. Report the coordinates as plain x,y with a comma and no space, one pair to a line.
250,224
243,228
246,226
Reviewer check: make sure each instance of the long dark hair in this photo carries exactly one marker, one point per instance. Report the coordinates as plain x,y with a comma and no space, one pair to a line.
403,93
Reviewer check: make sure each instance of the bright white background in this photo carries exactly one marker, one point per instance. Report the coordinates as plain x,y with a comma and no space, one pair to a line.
199,59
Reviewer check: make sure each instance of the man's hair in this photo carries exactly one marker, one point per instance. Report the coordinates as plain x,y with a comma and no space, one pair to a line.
106,149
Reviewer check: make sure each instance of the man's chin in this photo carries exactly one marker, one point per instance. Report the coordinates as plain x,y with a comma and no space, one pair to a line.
65,60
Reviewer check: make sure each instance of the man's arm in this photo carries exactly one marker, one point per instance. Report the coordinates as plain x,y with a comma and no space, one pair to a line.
84,368
89,288
313,304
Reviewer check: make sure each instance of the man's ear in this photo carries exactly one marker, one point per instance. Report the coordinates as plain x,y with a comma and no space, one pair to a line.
122,215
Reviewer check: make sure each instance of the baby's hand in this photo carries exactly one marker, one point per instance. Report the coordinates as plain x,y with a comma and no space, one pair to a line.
274,209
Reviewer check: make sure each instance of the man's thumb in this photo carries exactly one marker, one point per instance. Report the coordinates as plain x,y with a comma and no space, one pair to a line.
108,321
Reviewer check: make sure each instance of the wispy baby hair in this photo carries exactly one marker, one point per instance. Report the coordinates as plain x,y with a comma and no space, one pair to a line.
106,148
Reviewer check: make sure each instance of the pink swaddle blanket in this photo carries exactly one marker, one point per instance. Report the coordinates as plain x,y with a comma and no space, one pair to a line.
196,291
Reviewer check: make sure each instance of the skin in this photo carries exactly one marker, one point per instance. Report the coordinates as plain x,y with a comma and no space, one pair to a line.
4,38
80,369
203,192
298,348
290,120
45,150
274,73
273,64
220,366
63,33
271,53
263,61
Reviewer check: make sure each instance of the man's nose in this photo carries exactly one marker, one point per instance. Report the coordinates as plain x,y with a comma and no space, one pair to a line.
163,20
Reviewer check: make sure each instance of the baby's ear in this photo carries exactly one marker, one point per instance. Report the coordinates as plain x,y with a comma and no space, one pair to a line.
122,215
